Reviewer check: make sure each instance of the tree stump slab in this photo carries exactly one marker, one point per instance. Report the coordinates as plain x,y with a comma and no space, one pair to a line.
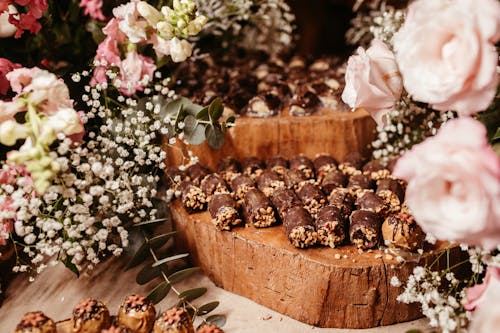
325,287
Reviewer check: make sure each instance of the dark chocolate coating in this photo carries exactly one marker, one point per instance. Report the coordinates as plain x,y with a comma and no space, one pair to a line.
355,159
304,164
293,178
299,227
312,197
269,181
262,106
173,177
213,183
361,181
192,197
365,229
224,211
278,164
374,166
252,166
401,230
197,172
241,184
343,199
229,164
284,199
323,164
331,226
258,209
372,202
391,185
333,179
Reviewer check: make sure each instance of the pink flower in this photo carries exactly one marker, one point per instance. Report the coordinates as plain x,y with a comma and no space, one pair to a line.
5,67
446,53
7,212
25,22
136,71
130,23
476,294
373,81
93,8
486,317
36,7
107,52
454,184
113,31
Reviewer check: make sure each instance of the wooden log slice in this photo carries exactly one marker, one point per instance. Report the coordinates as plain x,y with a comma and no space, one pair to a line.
334,132
320,286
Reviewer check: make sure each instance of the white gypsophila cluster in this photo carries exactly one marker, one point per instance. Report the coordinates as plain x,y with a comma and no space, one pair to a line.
406,125
441,305
381,22
105,184
480,258
264,25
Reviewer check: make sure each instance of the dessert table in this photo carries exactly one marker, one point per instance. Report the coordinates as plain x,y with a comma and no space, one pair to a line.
56,290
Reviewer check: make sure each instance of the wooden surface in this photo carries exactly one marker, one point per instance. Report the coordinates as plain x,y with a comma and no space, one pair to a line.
333,132
56,291
312,285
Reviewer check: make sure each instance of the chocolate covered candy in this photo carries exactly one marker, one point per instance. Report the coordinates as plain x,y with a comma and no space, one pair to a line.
333,179
252,166
258,209
228,168
284,199
372,202
269,181
299,227
240,186
36,322
400,230
224,211
294,178
175,320
209,328
192,197
213,184
278,164
360,181
303,164
391,185
365,229
323,164
137,313
90,316
312,198
196,172
330,226
343,199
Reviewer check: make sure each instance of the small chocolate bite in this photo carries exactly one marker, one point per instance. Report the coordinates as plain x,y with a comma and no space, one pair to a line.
294,178
120,329
173,177
269,181
192,197
303,164
240,186
284,199
228,168
360,182
330,226
252,166
376,169
213,184
258,209
401,231
365,229
224,211
175,320
90,316
354,160
304,102
209,328
372,202
137,314
36,322
333,179
312,198
391,185
299,227
278,164
325,90
343,199
323,164
263,106
197,172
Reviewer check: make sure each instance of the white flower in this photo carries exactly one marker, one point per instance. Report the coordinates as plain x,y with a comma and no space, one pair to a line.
180,50
6,28
11,131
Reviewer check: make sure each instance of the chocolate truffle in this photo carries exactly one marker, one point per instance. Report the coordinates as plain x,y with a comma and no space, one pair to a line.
209,328
303,164
330,226
90,316
258,209
312,198
137,313
224,211
175,320
192,197
278,164
365,229
323,164
197,172
400,230
284,199
269,181
213,184
333,179
36,322
299,227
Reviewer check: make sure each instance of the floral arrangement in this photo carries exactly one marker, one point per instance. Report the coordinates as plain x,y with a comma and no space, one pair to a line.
81,145
430,79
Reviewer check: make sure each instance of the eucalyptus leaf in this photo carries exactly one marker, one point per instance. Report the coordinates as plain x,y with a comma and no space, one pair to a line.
140,255
203,114
182,274
215,136
160,240
172,258
190,107
192,294
149,222
207,308
218,320
148,273
230,121
170,109
72,267
159,292
215,110
194,132
496,136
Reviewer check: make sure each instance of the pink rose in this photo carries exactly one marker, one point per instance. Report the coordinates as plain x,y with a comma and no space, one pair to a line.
476,294
373,81
136,71
486,317
454,184
5,67
446,53
93,8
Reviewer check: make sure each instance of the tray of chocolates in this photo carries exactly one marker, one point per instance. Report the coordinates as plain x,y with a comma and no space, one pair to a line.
135,315
282,230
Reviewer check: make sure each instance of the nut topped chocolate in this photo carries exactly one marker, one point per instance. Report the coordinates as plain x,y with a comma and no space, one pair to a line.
118,329
137,313
209,328
365,229
35,322
90,316
400,230
175,320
